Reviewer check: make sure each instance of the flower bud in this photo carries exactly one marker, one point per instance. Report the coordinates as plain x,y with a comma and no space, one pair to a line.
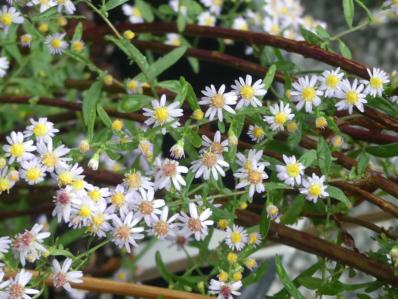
146,148
232,258
43,27
250,263
243,205
94,161
237,276
223,276
337,141
108,80
3,162
117,125
197,114
232,139
272,211
394,252
177,150
84,146
292,126
321,122
128,34
223,224
77,46
13,175
62,21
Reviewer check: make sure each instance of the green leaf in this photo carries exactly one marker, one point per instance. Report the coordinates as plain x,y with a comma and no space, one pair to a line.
368,12
348,8
162,268
71,235
165,62
385,150
146,10
78,32
134,102
274,186
363,161
324,156
181,22
310,36
91,98
256,275
384,105
322,32
284,278
294,210
344,50
308,158
339,195
104,116
269,77
113,4
265,222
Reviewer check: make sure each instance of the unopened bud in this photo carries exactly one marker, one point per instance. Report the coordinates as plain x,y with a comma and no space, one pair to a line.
108,80
292,127
117,125
62,21
94,161
177,150
321,122
84,146
232,139
3,162
197,114
43,27
128,34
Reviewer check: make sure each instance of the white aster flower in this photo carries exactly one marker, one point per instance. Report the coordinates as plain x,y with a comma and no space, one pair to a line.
206,19
146,206
67,6
120,198
291,172
6,183
82,211
9,16
173,39
281,114
41,129
217,101
214,6
169,174
4,65
18,149
351,96
17,289
216,146
134,86
62,276
177,6
133,13
97,194
273,212
249,93
53,158
256,133
195,224
44,4
252,160
394,5
125,233
209,164
56,44
375,85
394,99
314,188
252,177
330,82
224,290
67,175
99,220
240,23
32,171
26,40
163,227
306,93
63,200
163,114
272,26
134,181
28,245
236,238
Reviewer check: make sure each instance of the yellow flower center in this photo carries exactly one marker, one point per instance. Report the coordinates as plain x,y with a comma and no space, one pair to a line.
146,207
217,2
65,178
4,184
56,43
280,118
98,220
77,46
133,180
161,114
258,132
17,150
85,211
236,237
26,39
395,2
254,177
136,12
95,194
247,165
247,92
208,21
223,276
308,94
78,184
216,148
251,263
275,29
352,97
253,238
161,228
32,174
44,2
49,159
332,81
232,257
132,85
118,199
40,130
293,169
218,101
376,83
315,190
209,159
6,19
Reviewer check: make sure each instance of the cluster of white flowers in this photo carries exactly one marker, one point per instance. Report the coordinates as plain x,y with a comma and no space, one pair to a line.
307,91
